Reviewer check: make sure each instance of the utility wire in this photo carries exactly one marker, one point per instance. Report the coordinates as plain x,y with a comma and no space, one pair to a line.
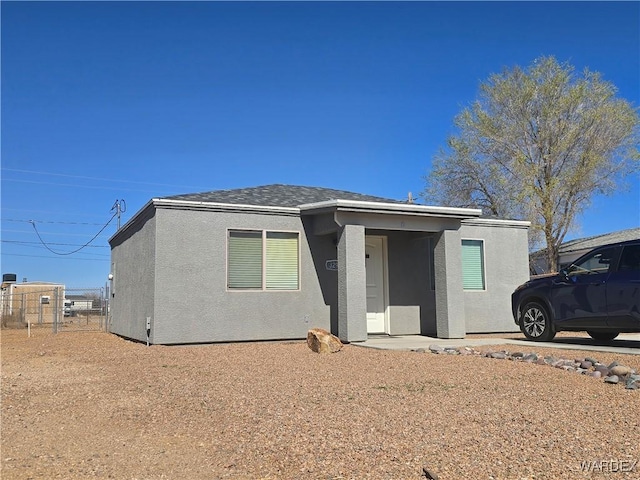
49,221
95,187
57,258
78,249
95,178
21,242
4,230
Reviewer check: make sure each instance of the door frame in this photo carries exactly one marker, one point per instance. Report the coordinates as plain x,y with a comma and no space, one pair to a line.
385,280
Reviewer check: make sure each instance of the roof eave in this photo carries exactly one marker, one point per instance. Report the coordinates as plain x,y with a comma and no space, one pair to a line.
388,208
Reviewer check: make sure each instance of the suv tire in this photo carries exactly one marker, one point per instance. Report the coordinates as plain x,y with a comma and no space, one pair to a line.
536,323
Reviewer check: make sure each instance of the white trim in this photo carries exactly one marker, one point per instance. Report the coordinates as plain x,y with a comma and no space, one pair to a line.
167,202
381,207
495,222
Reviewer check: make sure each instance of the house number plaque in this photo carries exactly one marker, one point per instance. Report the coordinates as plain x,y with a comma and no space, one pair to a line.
331,265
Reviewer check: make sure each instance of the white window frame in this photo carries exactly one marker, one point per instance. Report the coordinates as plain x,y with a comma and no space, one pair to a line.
484,264
263,233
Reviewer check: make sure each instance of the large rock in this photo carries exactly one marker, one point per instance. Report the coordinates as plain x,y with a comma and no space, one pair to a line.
620,370
321,341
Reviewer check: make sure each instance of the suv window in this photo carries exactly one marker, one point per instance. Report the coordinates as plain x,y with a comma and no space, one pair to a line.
630,259
598,262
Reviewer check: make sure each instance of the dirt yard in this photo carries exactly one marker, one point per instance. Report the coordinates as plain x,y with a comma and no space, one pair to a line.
90,404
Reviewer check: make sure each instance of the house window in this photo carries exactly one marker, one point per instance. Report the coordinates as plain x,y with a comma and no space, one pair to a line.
473,265
263,260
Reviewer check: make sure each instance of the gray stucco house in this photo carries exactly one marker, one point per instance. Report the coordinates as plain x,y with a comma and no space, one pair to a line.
271,262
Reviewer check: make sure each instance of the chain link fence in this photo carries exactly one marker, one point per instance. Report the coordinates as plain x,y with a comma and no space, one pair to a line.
56,307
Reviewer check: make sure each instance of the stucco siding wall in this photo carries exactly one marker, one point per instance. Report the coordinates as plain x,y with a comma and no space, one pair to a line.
506,260
192,301
132,287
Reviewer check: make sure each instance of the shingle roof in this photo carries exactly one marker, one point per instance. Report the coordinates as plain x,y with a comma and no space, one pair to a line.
597,240
277,195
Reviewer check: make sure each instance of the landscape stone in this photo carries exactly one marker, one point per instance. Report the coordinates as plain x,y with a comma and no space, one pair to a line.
603,370
620,370
612,379
588,366
321,341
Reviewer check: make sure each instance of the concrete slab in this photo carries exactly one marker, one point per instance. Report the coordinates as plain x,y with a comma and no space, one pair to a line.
628,344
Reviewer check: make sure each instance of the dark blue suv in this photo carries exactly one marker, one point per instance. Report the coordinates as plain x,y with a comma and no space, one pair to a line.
599,293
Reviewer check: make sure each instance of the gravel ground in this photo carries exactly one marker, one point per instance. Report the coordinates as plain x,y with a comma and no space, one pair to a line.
87,404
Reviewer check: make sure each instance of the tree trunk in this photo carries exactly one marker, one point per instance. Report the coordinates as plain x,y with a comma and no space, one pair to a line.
552,255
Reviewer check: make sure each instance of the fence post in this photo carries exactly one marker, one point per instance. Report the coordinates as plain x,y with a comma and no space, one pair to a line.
23,310
56,309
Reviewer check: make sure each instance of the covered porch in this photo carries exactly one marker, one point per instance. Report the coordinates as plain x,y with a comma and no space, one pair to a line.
398,267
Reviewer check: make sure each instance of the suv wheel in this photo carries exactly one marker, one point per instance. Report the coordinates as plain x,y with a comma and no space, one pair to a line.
536,323
602,336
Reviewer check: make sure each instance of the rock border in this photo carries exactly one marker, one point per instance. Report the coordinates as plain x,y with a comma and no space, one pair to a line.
613,374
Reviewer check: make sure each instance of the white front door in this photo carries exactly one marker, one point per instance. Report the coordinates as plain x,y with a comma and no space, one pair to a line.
376,275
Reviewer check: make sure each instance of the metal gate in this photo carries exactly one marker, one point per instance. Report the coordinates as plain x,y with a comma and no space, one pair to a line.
83,309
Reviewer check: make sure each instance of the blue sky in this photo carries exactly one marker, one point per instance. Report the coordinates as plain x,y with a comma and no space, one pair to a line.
135,100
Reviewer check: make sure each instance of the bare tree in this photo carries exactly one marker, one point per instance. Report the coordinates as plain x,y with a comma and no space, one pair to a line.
537,144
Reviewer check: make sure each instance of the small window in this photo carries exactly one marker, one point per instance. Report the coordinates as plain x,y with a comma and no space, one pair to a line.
472,265
259,260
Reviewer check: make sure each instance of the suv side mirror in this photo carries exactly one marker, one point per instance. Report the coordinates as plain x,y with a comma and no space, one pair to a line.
564,274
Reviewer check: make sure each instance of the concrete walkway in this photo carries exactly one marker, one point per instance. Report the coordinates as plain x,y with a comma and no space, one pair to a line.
628,344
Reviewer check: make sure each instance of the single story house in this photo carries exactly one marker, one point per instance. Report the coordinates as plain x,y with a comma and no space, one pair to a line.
571,250
273,261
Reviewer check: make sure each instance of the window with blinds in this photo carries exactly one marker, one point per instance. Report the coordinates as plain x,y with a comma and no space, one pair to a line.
263,260
281,266
472,265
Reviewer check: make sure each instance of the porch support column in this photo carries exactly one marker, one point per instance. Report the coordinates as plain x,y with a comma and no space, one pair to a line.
450,317
352,285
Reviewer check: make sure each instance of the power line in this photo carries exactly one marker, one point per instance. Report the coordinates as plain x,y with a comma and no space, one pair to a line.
49,221
76,185
83,246
49,212
82,177
27,243
51,233
57,258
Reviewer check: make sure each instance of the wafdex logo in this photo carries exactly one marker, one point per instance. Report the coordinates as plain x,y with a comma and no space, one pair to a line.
609,466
